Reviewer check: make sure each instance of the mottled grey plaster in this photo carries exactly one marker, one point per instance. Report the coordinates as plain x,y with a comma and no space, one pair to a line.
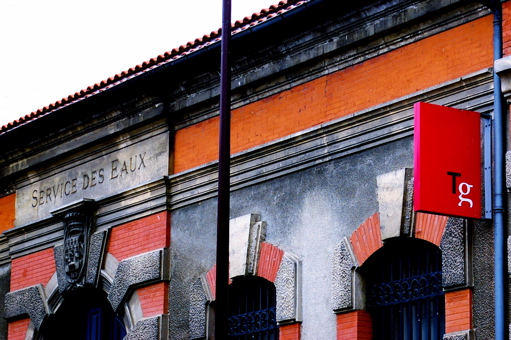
96,249
58,254
508,169
198,301
288,290
192,257
136,271
483,268
27,301
408,213
154,328
454,254
5,281
342,274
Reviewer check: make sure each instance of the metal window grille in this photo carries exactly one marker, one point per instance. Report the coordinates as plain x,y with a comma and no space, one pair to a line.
252,302
404,294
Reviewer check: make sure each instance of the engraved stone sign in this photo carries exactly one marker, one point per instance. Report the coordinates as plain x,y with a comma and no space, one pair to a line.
95,178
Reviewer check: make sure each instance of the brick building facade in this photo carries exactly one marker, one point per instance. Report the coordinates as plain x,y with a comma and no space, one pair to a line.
108,197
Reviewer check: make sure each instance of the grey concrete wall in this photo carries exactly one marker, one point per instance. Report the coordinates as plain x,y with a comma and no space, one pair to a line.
193,244
5,282
307,213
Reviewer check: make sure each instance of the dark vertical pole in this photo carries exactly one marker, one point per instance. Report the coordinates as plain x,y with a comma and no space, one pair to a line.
499,200
222,250
499,180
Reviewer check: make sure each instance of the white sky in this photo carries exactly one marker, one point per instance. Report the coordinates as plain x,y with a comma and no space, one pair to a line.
50,49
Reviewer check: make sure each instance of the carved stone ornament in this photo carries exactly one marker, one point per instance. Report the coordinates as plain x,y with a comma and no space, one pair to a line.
76,240
78,222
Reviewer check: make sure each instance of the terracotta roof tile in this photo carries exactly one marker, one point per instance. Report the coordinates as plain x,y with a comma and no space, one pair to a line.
167,57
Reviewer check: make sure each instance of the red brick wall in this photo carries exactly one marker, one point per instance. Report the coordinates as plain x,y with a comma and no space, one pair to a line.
458,317
290,332
7,212
367,238
140,236
32,269
269,261
506,27
356,325
430,227
154,299
211,279
458,310
17,330
425,63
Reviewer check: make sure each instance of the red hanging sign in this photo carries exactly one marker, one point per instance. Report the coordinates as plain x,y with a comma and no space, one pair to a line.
447,161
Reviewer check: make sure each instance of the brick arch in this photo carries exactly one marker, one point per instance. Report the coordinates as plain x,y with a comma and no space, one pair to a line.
264,260
270,259
367,238
396,219
430,227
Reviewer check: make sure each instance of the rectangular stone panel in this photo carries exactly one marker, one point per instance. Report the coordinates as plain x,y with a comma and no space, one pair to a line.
93,177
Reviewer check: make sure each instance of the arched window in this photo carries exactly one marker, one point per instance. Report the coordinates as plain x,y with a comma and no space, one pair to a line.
85,314
404,292
252,302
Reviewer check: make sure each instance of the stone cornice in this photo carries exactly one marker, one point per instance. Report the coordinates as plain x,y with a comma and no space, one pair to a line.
117,209
347,135
343,43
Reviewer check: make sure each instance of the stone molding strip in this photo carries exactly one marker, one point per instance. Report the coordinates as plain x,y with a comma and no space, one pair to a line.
463,335
27,301
4,250
328,53
288,285
136,271
347,135
127,206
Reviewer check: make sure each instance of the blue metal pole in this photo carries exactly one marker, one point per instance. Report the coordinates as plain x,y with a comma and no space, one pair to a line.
499,211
